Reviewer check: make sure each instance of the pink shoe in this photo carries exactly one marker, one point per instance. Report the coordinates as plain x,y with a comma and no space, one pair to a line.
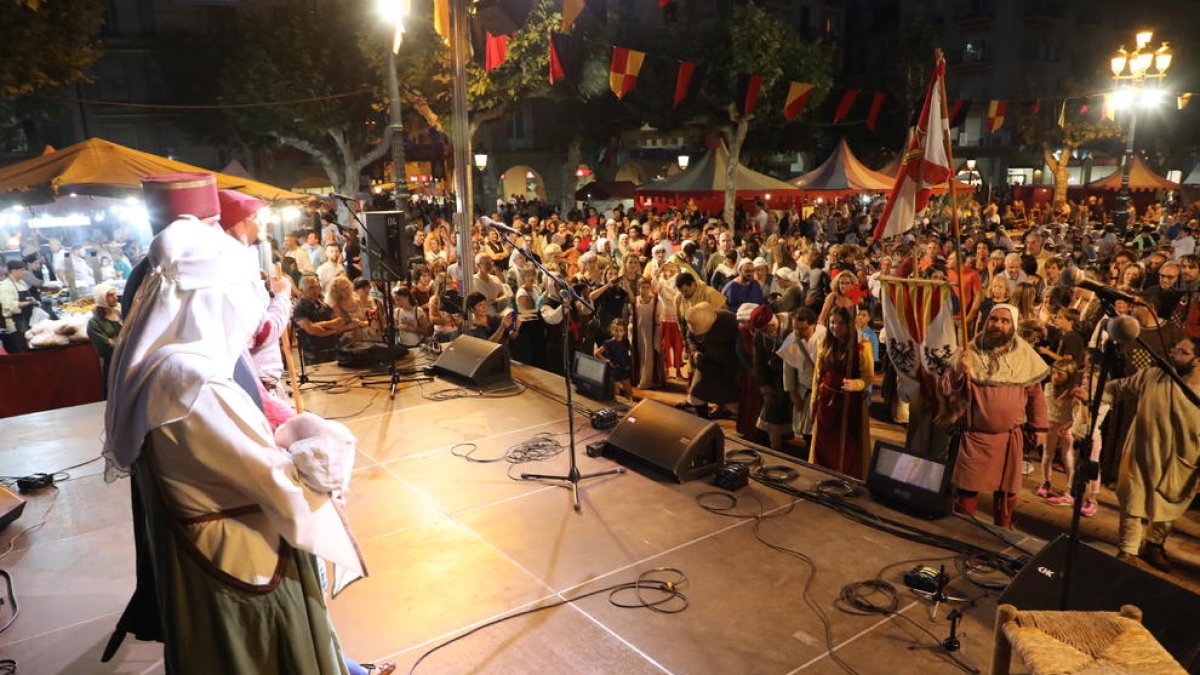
1089,507
1061,500
1043,490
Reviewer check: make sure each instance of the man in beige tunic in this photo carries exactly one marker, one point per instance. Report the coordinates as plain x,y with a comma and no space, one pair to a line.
1002,375
1159,475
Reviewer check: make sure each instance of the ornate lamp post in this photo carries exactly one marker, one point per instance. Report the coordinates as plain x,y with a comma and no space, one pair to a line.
1131,71
394,12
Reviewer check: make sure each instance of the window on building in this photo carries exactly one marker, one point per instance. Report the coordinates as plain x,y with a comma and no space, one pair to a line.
975,50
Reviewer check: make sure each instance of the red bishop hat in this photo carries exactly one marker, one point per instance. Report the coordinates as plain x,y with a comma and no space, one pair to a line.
171,195
236,207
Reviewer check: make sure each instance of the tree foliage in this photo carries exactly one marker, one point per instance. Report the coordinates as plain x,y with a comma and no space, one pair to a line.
1041,130
47,44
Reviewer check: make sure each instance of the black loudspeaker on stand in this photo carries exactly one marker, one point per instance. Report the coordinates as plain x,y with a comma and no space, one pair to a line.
1102,584
669,441
482,364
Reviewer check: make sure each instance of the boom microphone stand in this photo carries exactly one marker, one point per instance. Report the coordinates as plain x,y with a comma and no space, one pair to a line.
572,479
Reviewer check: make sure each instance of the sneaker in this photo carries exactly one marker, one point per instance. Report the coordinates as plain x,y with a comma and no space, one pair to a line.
1026,468
1089,507
1043,490
1061,500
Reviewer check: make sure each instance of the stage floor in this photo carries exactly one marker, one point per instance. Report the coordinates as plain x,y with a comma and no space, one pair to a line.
452,544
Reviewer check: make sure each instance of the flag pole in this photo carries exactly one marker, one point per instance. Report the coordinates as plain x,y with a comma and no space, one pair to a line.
958,252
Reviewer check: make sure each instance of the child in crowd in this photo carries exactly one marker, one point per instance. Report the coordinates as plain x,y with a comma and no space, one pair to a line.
615,351
1061,404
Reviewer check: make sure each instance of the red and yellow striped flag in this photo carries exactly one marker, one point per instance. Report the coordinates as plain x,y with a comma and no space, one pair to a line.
995,114
797,97
623,74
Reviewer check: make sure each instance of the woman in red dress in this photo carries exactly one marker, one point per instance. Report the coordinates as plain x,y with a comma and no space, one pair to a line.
841,429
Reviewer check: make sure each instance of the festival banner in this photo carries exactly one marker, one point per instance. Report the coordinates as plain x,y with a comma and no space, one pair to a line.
571,9
748,86
441,19
1182,101
495,51
797,97
876,106
925,164
845,105
995,115
623,73
919,332
1036,106
683,81
566,57
958,112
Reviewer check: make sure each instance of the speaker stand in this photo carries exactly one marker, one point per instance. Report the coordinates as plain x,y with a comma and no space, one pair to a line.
572,479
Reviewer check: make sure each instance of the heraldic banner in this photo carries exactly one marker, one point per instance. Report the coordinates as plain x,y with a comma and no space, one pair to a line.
921,340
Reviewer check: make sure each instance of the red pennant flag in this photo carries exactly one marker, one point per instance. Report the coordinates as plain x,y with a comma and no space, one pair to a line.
571,9
926,161
958,112
663,3
748,87
1083,109
495,52
995,115
845,105
1036,107
623,73
876,106
683,81
566,57
797,98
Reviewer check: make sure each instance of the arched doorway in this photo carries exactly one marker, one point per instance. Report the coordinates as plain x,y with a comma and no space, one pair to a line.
523,181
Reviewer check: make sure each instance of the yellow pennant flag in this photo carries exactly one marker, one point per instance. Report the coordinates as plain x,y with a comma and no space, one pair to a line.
571,9
441,19
1182,101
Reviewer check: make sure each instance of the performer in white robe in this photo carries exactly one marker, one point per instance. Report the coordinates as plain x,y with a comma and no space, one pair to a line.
231,508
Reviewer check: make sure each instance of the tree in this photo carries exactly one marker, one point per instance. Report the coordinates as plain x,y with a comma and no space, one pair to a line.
309,53
47,44
756,42
1042,131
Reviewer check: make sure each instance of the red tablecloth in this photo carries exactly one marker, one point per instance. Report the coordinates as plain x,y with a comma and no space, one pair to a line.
45,379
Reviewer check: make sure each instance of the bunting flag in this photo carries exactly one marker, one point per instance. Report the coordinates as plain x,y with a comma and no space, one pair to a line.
926,161
566,57
1062,115
683,81
995,115
441,19
919,321
876,106
844,106
495,52
623,73
797,97
1107,111
1182,101
748,86
958,112
571,9
1083,108
664,3
1036,107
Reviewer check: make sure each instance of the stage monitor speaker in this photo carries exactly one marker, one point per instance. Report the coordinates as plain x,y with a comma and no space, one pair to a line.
388,246
478,363
669,440
1101,583
11,506
908,482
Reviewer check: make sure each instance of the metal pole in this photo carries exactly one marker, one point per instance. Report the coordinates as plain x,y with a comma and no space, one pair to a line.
396,133
460,137
1121,217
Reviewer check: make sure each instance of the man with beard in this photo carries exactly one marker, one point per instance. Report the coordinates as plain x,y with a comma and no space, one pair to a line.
1159,474
1002,375
743,288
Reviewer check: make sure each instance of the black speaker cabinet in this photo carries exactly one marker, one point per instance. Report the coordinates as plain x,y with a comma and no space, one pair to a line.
478,363
387,246
668,440
1101,583
908,482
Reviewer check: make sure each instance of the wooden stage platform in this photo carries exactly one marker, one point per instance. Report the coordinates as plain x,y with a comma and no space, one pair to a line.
452,544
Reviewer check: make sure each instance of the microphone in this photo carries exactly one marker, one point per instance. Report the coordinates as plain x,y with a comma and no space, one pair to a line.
338,195
1108,292
1123,329
488,222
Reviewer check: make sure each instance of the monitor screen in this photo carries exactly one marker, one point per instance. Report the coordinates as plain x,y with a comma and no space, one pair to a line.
909,469
589,368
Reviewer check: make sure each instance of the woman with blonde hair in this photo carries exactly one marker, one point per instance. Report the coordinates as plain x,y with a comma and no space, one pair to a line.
1024,298
840,296
342,300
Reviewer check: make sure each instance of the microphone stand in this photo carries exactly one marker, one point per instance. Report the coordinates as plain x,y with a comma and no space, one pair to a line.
372,250
568,295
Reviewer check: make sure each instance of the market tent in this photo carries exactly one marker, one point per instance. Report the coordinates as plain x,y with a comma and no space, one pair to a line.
842,174
100,167
1193,177
1140,178
704,184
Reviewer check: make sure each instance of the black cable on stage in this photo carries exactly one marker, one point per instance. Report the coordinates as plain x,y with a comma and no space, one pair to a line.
728,511
644,583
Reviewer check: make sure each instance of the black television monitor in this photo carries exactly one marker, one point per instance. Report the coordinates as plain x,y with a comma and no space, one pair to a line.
591,378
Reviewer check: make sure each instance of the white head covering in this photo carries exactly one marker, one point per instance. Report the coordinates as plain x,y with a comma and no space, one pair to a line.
742,263
760,262
601,246
191,319
1014,313
100,293
745,310
785,274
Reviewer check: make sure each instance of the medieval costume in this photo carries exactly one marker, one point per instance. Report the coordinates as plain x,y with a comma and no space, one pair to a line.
1004,395
712,338
775,414
841,438
648,372
799,356
233,513
750,399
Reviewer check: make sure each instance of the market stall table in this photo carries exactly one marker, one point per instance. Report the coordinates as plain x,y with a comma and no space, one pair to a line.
45,379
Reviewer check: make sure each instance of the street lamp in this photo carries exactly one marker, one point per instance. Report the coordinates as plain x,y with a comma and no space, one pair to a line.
1131,71
394,12
481,160
683,160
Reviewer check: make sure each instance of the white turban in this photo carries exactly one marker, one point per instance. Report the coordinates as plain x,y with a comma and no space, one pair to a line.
100,293
1012,310
193,316
745,310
